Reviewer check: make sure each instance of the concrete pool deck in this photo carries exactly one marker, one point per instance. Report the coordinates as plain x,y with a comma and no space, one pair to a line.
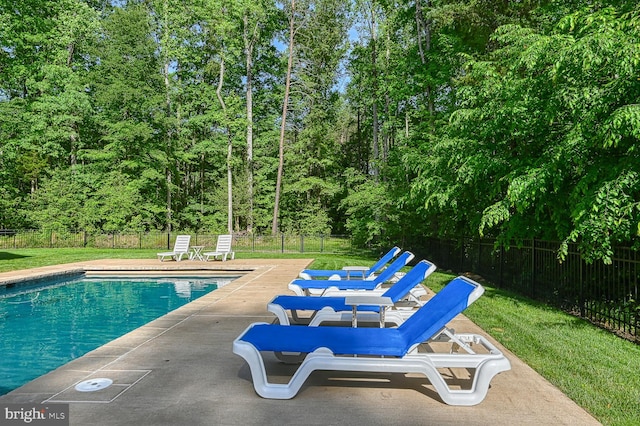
180,370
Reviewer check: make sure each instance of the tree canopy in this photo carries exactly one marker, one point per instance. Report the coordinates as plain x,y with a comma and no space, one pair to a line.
514,120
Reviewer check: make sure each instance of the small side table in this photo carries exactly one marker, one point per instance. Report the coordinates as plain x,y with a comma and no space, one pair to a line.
359,300
360,269
196,253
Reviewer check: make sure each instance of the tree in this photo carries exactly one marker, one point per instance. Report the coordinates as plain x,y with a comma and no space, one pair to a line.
128,91
312,158
544,140
43,97
283,124
513,120
257,21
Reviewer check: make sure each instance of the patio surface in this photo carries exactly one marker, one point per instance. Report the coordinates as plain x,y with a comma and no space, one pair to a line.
180,370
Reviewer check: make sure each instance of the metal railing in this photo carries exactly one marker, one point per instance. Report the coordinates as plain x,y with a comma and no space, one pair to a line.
282,243
606,295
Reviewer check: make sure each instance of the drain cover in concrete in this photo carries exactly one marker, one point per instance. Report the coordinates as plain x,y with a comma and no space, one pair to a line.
93,385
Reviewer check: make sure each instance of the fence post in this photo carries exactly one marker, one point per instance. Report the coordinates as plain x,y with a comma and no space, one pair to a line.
168,240
282,243
637,311
583,310
301,243
321,243
533,267
479,257
501,260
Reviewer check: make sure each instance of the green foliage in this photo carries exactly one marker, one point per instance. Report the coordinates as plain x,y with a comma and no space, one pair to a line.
370,211
543,140
514,120
608,213
312,156
86,201
600,379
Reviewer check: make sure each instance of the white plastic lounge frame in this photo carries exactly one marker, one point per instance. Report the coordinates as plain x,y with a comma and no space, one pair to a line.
180,248
223,249
324,287
364,272
384,350
368,306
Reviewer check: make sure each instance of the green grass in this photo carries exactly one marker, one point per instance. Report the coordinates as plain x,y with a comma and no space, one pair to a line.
596,369
11,260
599,371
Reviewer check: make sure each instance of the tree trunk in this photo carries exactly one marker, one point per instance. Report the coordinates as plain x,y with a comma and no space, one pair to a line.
202,183
169,200
169,215
229,151
73,149
285,106
229,183
168,174
374,106
249,43
422,26
387,129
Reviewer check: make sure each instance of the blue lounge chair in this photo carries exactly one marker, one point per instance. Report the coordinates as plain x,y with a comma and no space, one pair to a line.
336,308
309,274
321,287
384,350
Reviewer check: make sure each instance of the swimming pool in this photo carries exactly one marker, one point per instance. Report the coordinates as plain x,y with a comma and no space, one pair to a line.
46,324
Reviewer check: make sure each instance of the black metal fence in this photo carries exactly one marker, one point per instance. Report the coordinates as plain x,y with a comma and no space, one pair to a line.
282,243
606,295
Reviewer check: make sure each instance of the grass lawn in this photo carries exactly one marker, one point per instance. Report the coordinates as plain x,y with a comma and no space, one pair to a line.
11,260
599,371
596,369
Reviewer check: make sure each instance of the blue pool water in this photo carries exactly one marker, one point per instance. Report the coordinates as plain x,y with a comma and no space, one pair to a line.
47,324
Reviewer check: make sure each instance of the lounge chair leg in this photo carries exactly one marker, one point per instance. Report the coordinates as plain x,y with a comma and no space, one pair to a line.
291,359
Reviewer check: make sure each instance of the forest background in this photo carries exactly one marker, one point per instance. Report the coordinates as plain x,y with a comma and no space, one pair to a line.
372,118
